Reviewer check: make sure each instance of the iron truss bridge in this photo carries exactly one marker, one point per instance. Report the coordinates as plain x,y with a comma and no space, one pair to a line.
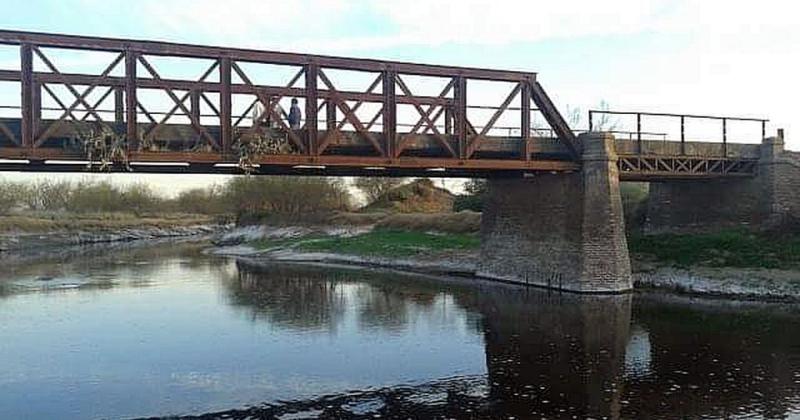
81,103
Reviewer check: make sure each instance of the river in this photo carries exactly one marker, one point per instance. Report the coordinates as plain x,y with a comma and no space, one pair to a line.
134,332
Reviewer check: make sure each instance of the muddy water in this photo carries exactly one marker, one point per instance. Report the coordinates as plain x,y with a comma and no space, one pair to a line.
166,331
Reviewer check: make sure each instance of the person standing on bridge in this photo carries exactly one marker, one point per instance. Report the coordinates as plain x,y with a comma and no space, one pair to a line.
295,115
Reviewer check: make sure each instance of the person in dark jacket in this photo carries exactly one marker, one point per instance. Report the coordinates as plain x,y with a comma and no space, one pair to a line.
295,115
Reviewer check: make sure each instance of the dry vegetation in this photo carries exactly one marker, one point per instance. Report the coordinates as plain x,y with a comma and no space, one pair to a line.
461,222
285,199
419,196
60,205
43,222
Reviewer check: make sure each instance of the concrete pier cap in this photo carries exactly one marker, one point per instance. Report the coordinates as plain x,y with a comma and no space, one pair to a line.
773,147
561,231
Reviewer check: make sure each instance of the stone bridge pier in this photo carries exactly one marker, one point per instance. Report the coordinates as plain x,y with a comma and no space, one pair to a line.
767,201
564,230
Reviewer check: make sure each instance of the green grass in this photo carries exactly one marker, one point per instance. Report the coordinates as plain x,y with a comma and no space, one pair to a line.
269,243
388,243
724,249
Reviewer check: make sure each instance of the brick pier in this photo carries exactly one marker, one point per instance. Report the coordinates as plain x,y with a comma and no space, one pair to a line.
564,231
768,200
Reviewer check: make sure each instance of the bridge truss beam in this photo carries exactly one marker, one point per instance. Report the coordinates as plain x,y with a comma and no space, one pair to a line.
368,129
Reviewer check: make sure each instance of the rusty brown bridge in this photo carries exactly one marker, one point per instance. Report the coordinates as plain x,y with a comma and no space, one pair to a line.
553,218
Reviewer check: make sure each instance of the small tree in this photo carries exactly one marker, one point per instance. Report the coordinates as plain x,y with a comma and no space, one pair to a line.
476,190
374,187
209,200
574,117
285,198
604,122
11,196
140,198
47,195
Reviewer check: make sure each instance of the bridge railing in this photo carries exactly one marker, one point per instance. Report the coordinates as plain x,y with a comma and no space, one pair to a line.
133,71
599,120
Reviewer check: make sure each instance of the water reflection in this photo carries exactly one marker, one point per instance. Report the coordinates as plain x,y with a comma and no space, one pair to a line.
289,298
556,355
719,360
104,267
235,340
316,298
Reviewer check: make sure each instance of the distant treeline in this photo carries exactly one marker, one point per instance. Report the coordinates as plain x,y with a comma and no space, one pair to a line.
245,197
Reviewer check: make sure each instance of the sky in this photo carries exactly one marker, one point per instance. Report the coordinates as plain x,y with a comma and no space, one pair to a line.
737,58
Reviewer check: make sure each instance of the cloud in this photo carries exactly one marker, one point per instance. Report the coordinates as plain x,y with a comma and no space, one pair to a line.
493,22
348,25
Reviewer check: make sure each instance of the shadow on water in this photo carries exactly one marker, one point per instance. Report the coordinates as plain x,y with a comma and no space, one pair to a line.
547,354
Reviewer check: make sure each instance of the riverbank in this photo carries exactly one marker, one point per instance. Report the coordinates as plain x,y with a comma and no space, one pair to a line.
443,253
40,233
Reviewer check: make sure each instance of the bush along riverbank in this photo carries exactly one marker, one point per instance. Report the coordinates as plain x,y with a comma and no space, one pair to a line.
731,264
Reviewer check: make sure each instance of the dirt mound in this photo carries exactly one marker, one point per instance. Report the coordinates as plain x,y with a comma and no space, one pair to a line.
420,196
461,222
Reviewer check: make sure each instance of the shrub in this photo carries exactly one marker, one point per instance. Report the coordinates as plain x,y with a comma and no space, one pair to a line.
11,196
634,204
282,198
47,195
101,197
140,198
209,200
374,188
89,197
474,196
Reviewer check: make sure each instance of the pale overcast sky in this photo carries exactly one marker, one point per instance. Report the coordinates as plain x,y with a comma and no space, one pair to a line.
708,57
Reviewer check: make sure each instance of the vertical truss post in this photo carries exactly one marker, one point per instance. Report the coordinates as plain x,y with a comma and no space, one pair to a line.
460,97
683,135
390,112
131,103
268,117
725,137
194,104
330,116
448,120
26,68
225,127
36,98
525,120
639,132
763,129
119,106
591,122
312,99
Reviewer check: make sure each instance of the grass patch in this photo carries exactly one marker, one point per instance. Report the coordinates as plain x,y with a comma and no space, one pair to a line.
269,243
732,248
391,243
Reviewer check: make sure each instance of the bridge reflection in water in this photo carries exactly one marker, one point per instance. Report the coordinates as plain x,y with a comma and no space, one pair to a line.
550,355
